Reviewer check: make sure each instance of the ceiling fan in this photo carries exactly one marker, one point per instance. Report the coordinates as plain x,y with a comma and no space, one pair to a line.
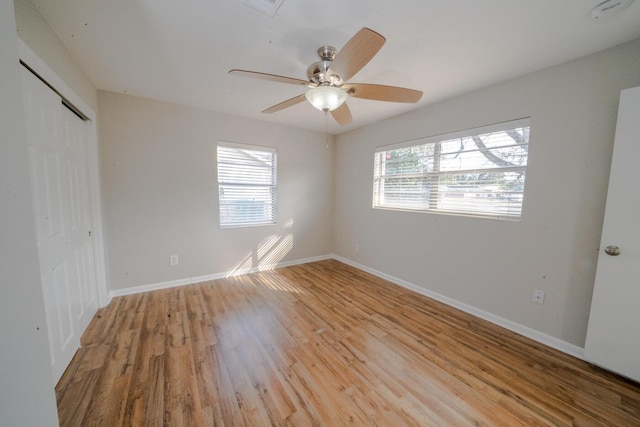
327,85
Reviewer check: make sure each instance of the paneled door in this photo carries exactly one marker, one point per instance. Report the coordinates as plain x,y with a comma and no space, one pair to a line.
58,165
613,334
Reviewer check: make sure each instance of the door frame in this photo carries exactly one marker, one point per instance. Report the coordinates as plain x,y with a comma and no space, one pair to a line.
34,62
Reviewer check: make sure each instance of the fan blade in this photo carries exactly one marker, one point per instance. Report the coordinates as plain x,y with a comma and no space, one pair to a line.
382,92
342,115
356,53
266,76
285,104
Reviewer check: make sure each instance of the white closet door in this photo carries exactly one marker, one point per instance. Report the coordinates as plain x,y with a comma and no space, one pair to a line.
613,334
58,167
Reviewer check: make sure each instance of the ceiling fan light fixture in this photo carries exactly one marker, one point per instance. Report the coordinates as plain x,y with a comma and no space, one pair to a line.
326,98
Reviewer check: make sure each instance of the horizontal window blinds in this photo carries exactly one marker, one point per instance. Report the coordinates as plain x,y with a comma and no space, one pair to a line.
478,172
246,185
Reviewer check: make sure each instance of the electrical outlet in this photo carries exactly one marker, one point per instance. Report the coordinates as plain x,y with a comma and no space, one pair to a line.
538,296
174,260
357,247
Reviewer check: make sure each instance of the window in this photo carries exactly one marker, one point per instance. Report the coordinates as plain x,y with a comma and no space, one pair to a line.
475,172
246,185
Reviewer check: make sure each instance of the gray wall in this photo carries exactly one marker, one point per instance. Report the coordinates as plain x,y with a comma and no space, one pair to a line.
160,192
494,265
26,383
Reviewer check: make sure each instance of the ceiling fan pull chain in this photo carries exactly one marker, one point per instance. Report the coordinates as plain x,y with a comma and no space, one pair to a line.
326,129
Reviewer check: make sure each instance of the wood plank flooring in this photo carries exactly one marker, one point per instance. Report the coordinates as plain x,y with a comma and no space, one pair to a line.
323,344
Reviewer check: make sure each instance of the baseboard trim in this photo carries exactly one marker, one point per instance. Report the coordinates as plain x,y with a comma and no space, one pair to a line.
553,342
198,279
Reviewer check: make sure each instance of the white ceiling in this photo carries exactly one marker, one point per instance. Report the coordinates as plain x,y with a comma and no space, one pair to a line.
181,51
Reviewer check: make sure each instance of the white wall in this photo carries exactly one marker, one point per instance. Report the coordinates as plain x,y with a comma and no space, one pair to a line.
26,384
38,35
160,192
494,265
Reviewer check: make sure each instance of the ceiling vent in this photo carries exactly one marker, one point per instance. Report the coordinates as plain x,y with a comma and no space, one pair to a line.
608,8
269,7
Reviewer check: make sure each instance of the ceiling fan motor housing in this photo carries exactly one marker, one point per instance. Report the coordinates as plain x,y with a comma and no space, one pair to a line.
317,72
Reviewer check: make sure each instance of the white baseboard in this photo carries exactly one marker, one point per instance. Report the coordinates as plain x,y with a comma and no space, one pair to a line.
197,279
553,342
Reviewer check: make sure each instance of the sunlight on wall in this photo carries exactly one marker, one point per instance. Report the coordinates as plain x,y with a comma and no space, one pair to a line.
267,254
265,246
288,224
242,267
275,253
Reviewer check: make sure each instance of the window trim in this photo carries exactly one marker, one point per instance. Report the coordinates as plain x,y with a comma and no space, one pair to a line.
524,122
273,186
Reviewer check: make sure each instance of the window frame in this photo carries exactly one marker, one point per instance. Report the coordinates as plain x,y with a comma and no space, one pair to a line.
432,201
243,182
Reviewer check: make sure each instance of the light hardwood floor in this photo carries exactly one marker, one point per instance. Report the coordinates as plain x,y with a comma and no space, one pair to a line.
323,344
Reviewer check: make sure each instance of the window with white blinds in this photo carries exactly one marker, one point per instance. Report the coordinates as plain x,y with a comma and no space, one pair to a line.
246,185
478,172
